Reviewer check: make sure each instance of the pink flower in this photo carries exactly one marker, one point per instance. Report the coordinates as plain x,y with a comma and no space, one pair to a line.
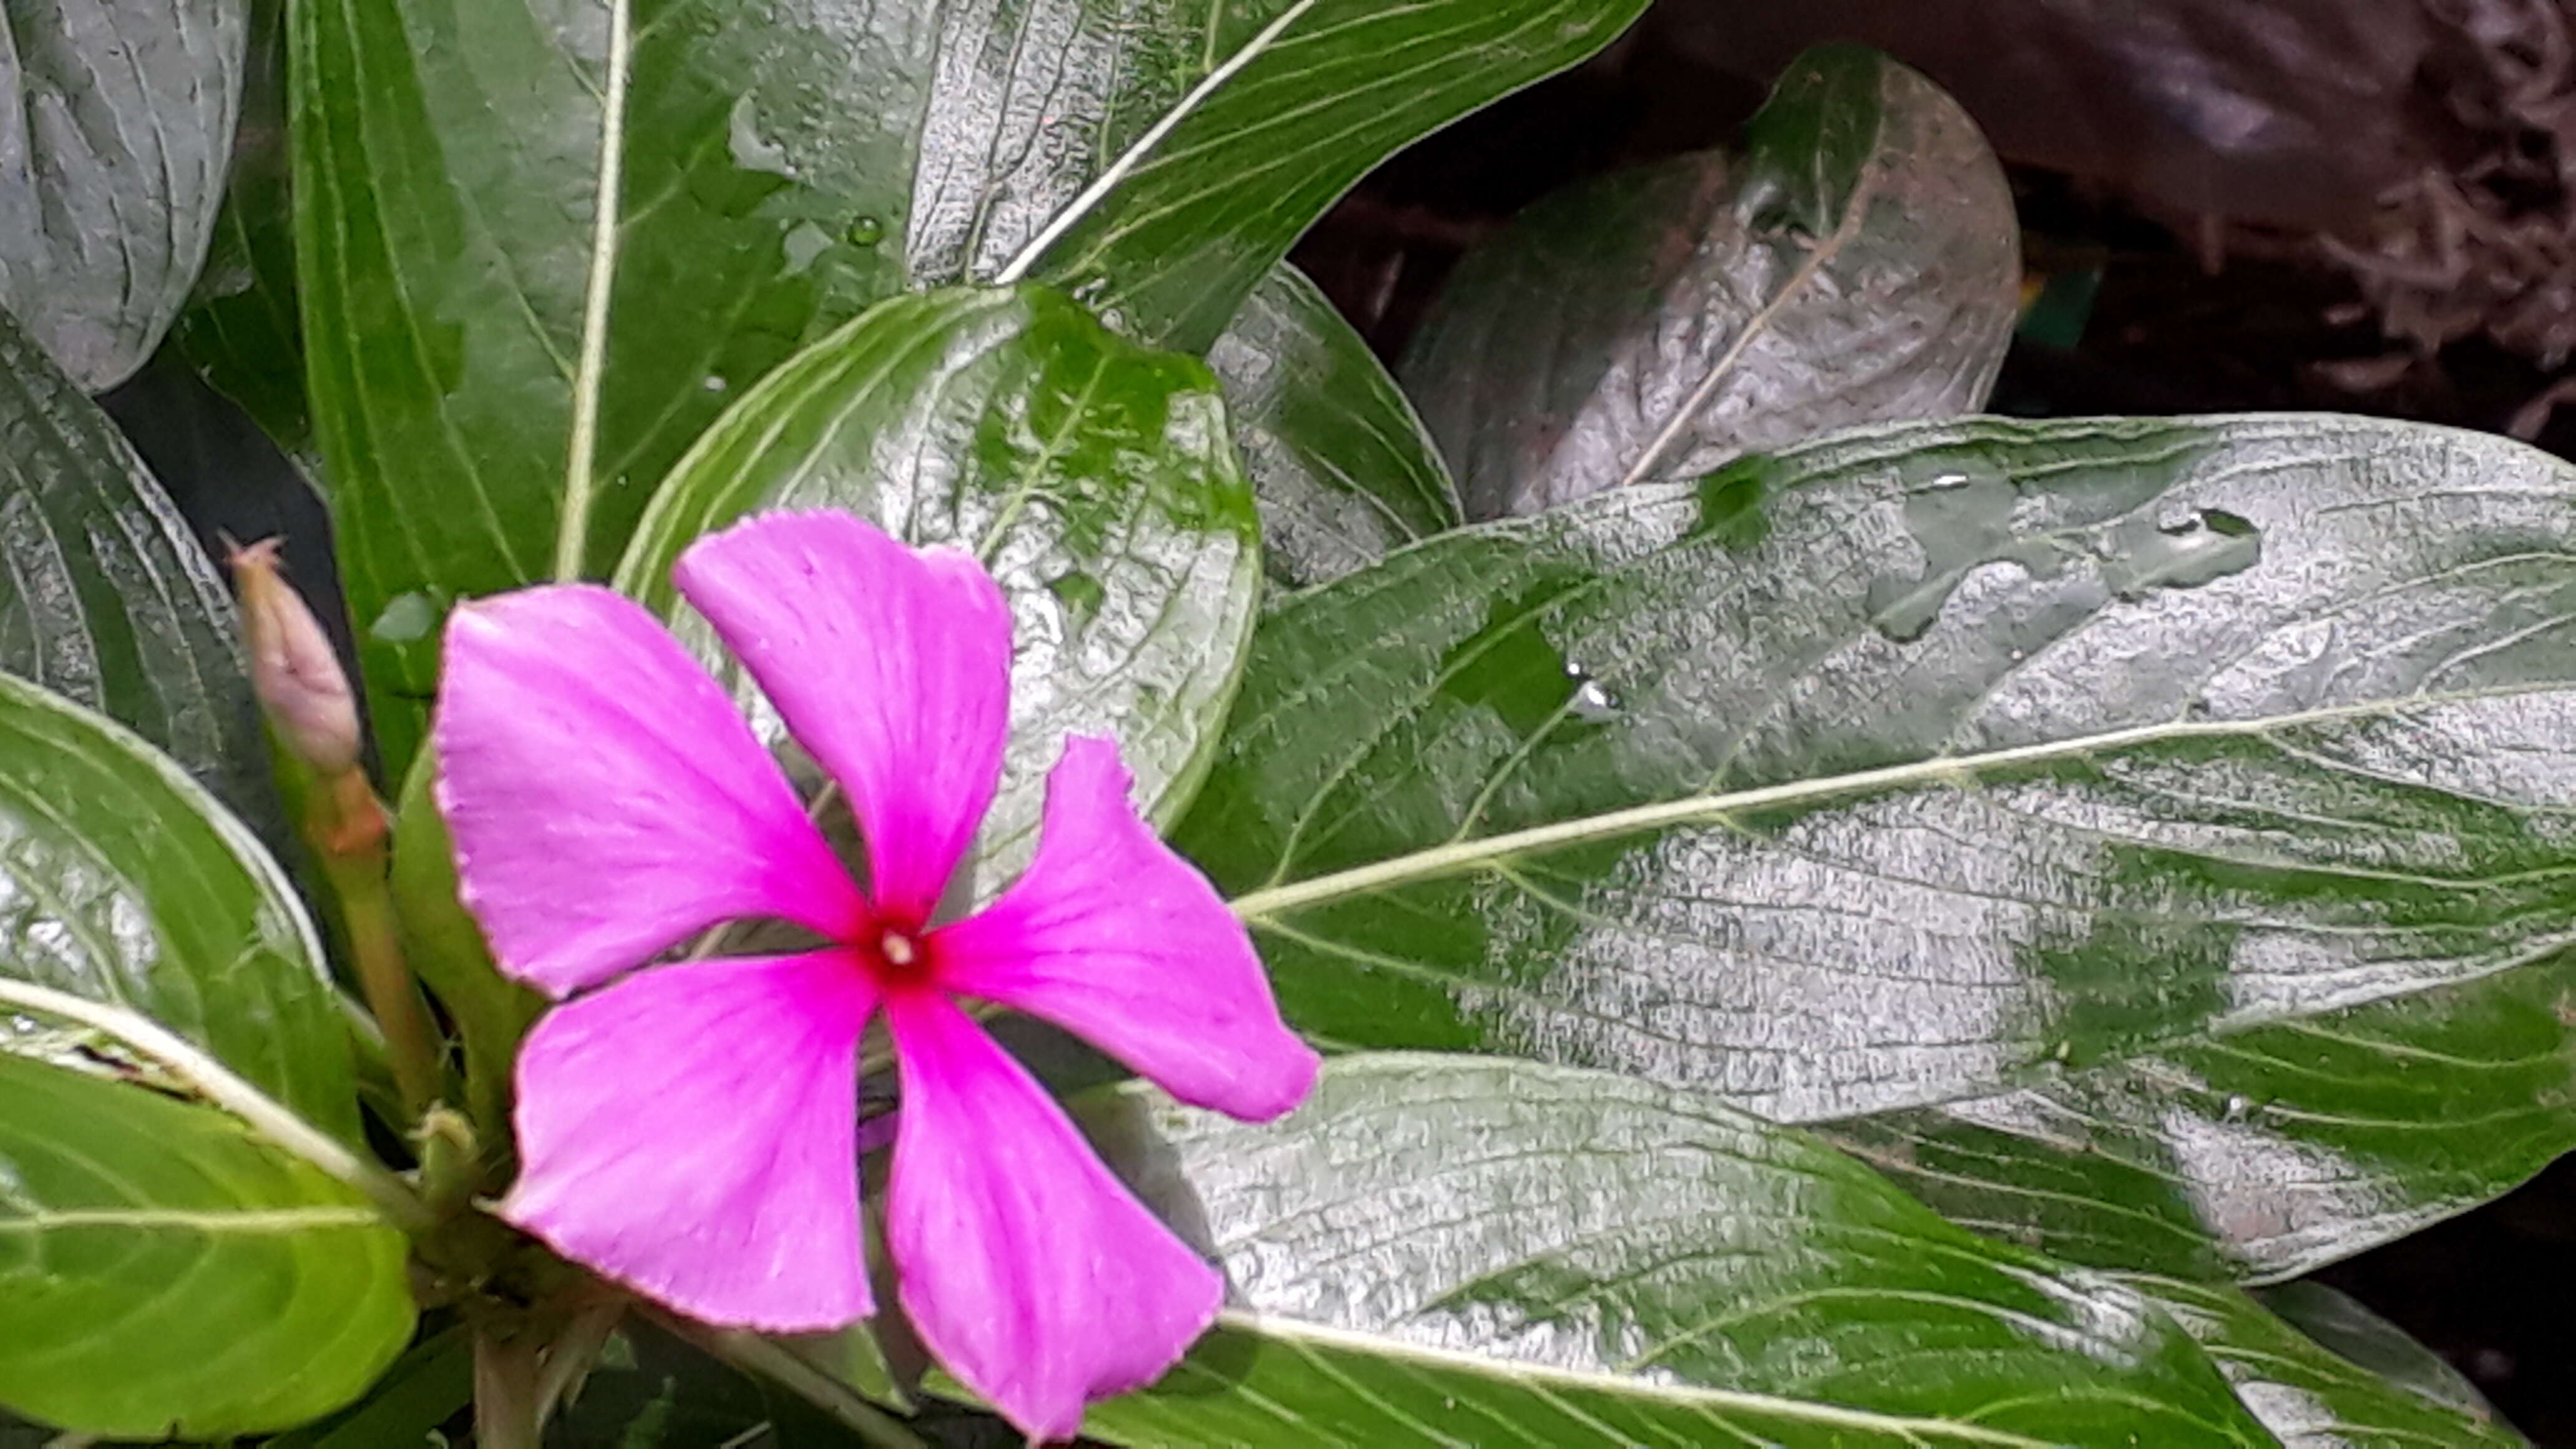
691,1129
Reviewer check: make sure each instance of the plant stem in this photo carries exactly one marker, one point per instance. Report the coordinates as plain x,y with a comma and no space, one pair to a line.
216,1083
506,1413
376,951
754,1354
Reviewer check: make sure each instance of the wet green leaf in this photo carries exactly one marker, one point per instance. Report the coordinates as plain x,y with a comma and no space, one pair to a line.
1924,763
2311,1398
1156,159
104,596
116,124
498,382
1856,261
1341,466
1091,475
164,1274
122,882
1438,1250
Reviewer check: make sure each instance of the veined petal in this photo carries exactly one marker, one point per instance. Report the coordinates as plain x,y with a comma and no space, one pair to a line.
891,665
1026,1267
692,1131
605,798
1118,940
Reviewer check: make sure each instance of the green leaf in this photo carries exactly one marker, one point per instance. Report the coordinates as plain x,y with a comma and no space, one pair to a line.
450,157
1857,262
430,1384
445,948
653,1391
2263,1153
162,1273
1092,476
1156,159
108,600
241,328
121,882
2311,1398
497,379
1930,761
1340,465
118,122
1437,1250
2339,1323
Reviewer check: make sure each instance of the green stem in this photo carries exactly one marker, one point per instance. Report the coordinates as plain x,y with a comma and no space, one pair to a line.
506,1413
376,951
216,1083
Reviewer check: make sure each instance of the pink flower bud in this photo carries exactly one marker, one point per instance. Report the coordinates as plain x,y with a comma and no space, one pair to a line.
293,670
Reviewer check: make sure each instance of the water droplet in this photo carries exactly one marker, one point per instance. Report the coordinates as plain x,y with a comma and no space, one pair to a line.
406,619
804,242
1594,703
751,150
2186,551
2237,1107
715,383
866,231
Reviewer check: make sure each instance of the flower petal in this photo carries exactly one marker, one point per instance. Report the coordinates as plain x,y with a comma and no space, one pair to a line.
692,1131
1029,1270
892,665
605,798
1118,940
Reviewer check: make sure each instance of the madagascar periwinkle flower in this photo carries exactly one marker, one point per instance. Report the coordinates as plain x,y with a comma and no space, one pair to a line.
690,1129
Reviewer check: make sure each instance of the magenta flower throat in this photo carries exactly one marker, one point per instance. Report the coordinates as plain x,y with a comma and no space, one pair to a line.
690,1129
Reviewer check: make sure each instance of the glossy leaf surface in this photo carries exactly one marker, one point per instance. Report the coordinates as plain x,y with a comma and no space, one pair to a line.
116,126
499,379
1156,159
1857,261
1439,1250
122,882
1926,762
1341,466
2308,1396
2268,1152
165,1274
104,597
1092,476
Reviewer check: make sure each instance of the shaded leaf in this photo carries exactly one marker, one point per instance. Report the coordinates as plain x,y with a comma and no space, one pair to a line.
121,882
1340,465
1857,262
430,1384
2308,1397
104,597
2340,1324
165,1274
240,329
1091,475
1925,762
1443,1251
653,1391
2296,113
116,122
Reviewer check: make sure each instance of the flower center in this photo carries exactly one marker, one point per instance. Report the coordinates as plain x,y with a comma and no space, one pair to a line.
901,952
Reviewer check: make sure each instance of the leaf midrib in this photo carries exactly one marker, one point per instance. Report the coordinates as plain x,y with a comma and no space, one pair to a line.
1459,857
1310,1339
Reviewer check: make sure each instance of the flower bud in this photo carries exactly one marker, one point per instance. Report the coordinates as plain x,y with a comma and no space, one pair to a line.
293,670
